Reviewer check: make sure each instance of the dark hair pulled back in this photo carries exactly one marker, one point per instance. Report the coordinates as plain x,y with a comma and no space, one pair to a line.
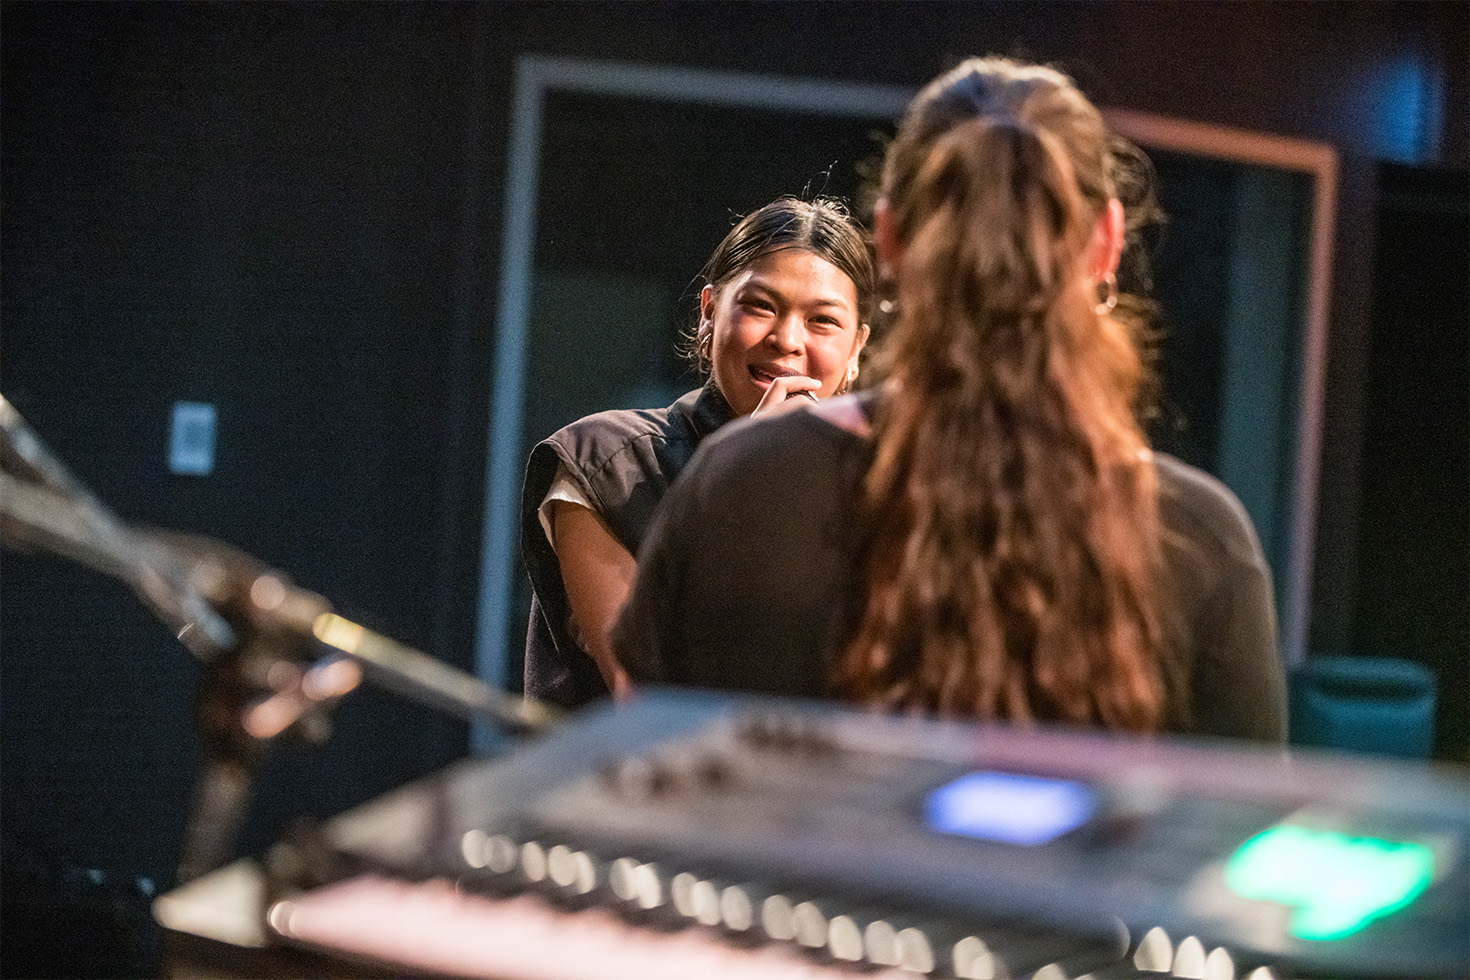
822,226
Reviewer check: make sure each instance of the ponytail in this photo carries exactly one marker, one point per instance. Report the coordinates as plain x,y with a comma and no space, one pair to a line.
1008,526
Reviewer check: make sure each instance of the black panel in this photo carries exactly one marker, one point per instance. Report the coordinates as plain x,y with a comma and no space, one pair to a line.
1413,596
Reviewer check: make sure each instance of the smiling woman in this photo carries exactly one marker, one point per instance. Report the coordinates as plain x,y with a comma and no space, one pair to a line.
783,316
787,325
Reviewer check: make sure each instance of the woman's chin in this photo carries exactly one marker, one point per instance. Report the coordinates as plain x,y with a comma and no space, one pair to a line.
745,397
739,401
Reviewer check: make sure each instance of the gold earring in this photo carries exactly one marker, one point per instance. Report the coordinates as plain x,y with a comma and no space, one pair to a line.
703,348
1110,298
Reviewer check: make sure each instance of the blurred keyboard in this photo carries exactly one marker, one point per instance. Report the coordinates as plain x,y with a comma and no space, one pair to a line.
693,835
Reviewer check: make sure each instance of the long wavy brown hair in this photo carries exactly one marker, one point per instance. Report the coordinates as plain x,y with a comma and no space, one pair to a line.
1008,525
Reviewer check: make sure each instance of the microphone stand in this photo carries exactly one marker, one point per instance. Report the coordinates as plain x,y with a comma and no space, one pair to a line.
277,658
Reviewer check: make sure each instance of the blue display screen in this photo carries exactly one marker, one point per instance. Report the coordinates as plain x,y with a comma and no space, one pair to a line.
1012,809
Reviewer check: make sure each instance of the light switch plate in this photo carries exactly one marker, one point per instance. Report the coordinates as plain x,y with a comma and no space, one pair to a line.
191,439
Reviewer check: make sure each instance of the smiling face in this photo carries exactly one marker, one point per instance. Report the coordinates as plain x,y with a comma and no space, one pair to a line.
789,312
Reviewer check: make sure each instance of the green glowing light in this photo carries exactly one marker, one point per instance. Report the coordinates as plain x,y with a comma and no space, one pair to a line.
1337,884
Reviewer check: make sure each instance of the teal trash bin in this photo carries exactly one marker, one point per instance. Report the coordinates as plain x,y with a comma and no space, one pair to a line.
1363,704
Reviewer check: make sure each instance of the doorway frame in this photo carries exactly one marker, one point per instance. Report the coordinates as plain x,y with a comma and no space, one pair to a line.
538,76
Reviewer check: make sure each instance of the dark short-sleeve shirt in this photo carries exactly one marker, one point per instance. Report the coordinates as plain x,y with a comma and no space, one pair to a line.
747,573
623,461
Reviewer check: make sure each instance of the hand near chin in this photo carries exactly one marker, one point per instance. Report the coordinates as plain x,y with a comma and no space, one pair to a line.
787,393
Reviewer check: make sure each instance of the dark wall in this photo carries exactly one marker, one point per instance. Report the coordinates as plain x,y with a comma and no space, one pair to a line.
293,212
1414,532
264,208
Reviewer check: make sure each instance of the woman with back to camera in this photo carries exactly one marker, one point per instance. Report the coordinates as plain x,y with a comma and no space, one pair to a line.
782,319
986,533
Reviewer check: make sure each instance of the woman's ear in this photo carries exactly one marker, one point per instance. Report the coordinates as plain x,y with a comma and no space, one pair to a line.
857,350
885,239
1106,246
706,311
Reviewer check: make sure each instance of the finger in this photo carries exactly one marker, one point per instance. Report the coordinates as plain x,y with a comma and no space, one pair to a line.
784,392
790,385
799,384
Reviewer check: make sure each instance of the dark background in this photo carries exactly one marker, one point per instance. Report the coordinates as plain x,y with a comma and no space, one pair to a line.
294,211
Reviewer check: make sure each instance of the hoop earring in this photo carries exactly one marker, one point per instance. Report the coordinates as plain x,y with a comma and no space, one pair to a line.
703,348
1110,298
847,381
